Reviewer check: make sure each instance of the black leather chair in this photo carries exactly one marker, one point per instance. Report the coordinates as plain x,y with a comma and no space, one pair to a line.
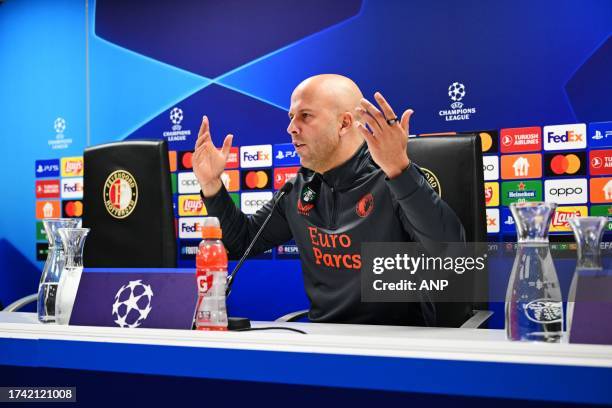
127,202
453,166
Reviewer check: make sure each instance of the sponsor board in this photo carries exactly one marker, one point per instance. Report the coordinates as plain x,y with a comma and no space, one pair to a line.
507,221
236,199
521,166
288,250
191,206
72,209
251,202
600,134
233,159
41,234
174,183
603,211
490,167
600,162
565,137
565,164
188,250
72,187
491,194
256,179
561,216
42,250
601,189
521,191
519,140
47,188
72,166
566,191
48,209
172,160
256,156
188,184
283,175
285,155
492,220
47,168
190,227
231,180
185,160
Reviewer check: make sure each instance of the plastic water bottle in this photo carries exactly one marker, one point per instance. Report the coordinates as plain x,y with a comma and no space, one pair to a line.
211,264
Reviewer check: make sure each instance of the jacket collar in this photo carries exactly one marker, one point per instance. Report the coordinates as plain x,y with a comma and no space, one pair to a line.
346,174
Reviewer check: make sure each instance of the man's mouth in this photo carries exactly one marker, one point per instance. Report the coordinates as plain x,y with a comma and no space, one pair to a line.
298,145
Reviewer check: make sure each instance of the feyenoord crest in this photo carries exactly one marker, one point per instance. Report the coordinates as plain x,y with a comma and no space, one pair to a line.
432,180
120,194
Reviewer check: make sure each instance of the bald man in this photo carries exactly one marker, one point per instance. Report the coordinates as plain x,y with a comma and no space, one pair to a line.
356,184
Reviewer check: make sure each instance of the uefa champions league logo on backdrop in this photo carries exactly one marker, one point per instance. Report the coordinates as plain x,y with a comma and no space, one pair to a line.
60,141
177,134
132,304
456,93
176,117
60,126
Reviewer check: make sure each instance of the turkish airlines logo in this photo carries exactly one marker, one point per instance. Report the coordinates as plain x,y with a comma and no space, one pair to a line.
72,188
47,189
566,191
521,166
256,156
565,137
517,140
233,159
559,164
562,215
601,162
257,180
490,167
72,166
191,205
250,203
283,175
601,190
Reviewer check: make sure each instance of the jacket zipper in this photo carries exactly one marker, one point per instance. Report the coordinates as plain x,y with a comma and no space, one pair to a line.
333,215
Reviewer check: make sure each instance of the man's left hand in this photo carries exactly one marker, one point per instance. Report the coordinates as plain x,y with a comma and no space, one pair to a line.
387,138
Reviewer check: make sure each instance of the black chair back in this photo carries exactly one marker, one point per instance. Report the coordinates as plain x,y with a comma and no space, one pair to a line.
127,199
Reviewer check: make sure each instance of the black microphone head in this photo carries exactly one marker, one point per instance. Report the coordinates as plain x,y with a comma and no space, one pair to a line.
286,188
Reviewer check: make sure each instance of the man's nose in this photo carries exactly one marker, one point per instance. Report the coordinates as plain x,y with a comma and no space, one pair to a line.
292,129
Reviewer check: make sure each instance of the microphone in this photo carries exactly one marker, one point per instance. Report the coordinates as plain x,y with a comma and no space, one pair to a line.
237,323
287,187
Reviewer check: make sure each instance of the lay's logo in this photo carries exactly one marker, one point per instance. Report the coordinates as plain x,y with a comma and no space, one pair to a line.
191,206
72,166
562,215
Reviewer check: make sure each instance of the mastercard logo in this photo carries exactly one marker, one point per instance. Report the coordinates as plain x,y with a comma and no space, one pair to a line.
256,179
565,164
73,209
186,160
486,140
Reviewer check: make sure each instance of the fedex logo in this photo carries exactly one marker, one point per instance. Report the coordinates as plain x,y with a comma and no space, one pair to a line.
190,227
285,155
72,188
256,156
565,137
47,168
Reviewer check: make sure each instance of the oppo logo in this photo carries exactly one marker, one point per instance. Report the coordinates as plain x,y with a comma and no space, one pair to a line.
488,167
189,182
565,191
257,203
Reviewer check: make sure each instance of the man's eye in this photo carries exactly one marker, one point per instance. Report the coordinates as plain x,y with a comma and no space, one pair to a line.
305,115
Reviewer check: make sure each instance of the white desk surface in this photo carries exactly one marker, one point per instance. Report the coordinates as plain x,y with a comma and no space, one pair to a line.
361,340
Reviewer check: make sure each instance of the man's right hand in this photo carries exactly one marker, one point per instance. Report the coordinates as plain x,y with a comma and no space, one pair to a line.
208,161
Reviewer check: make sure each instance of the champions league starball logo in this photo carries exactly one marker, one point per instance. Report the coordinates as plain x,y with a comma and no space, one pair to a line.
59,125
456,93
177,134
132,304
176,117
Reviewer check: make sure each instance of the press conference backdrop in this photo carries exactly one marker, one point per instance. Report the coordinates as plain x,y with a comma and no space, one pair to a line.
533,79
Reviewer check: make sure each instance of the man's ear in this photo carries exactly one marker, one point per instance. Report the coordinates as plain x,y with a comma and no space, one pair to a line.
347,121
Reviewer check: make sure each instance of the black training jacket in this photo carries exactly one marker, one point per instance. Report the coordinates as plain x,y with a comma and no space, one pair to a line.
329,215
